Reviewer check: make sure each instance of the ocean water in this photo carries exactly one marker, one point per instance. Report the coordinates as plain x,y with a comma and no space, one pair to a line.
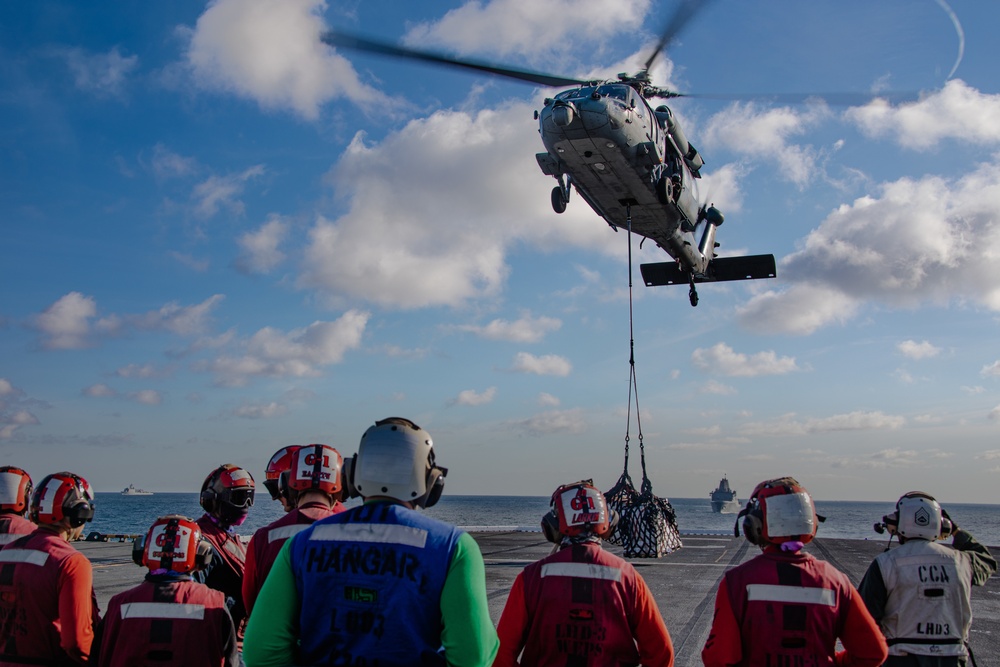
118,514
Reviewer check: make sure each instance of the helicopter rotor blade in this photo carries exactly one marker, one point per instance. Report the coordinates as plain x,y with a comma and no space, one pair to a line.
357,43
832,99
686,11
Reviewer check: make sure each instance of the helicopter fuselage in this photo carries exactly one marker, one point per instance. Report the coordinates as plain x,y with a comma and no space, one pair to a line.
624,159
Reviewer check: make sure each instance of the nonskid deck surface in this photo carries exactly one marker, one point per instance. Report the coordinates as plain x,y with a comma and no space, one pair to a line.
683,583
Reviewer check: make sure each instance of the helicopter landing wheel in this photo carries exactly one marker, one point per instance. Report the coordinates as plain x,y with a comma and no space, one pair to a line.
663,187
693,295
558,200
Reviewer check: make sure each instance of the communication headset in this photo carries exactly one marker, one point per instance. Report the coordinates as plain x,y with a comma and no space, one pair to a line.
890,522
77,503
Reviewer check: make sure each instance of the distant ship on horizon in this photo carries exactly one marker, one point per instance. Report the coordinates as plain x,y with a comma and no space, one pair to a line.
130,490
724,500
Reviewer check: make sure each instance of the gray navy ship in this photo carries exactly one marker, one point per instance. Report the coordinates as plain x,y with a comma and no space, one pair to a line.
724,500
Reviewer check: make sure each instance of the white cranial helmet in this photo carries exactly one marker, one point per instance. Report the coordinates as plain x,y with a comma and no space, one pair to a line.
919,517
396,459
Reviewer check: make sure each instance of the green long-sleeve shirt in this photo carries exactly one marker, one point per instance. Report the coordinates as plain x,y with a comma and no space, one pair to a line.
468,636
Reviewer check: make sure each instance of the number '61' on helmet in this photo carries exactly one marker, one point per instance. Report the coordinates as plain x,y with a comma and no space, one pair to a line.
173,543
62,495
779,510
315,468
578,508
15,490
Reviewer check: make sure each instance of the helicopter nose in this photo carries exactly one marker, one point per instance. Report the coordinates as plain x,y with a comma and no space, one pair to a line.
562,115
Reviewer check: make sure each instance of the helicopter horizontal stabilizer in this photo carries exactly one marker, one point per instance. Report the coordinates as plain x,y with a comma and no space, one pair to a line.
720,269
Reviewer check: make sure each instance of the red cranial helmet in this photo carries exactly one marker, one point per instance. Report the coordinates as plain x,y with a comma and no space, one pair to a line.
15,490
279,463
62,495
174,543
779,510
315,467
577,509
228,492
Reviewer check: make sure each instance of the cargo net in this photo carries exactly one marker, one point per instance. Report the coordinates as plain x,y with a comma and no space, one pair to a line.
647,524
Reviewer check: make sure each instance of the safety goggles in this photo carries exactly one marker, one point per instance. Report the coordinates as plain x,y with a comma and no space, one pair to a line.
241,497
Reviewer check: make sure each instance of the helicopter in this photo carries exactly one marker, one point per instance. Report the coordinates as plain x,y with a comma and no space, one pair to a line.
630,162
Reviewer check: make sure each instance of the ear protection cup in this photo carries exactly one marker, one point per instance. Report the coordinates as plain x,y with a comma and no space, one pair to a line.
753,527
139,550
435,486
203,556
347,478
209,500
550,527
79,513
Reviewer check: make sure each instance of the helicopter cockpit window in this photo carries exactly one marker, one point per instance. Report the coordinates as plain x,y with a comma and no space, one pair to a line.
616,91
576,93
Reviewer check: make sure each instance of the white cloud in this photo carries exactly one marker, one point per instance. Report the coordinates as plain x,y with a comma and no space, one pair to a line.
801,309
270,51
914,350
181,320
994,414
989,455
547,400
755,133
259,249
136,371
13,413
260,410
547,364
166,164
393,246
65,325
537,31
297,353
721,359
103,74
716,388
99,390
973,390
991,370
554,421
472,397
957,111
789,425
217,192
527,329
146,397
926,241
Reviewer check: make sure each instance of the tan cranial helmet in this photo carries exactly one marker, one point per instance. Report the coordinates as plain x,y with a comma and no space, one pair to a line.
396,459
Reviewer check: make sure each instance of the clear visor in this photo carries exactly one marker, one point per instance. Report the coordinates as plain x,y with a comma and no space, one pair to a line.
789,515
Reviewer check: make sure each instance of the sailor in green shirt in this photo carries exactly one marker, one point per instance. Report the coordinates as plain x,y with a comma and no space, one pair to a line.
379,583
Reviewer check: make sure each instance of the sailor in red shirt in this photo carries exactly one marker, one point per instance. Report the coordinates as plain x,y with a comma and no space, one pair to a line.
15,496
226,496
310,488
582,605
168,619
47,603
785,607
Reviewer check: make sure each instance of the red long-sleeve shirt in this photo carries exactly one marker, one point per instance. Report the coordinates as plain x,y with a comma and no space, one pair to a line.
728,642
583,602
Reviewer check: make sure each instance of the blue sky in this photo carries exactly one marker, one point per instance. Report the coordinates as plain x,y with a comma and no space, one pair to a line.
221,237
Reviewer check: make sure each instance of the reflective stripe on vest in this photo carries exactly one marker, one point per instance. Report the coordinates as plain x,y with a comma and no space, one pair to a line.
192,612
32,556
792,594
582,571
284,532
7,538
379,533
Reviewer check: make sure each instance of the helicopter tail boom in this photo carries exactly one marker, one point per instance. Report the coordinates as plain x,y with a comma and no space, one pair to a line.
720,269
